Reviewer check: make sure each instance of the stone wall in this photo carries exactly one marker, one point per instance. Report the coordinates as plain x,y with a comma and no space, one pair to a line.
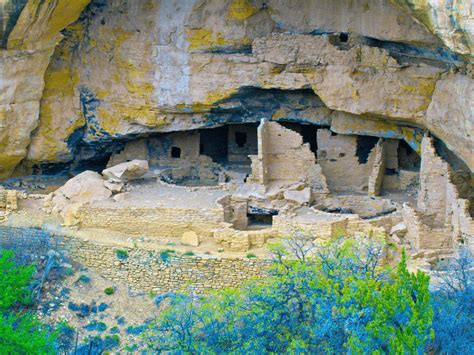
283,157
8,200
238,154
433,182
144,270
378,169
339,163
154,221
458,215
421,236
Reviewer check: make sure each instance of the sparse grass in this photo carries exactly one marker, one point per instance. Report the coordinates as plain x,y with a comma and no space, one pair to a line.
109,291
188,253
152,294
121,254
251,256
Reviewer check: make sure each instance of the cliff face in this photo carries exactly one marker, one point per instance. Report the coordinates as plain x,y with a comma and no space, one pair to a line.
29,46
75,90
451,21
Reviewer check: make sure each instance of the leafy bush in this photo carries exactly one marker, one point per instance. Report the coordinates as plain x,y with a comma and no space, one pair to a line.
109,291
188,253
337,300
251,256
20,331
121,254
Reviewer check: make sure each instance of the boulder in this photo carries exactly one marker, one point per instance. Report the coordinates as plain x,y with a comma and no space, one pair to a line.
301,197
190,238
127,171
114,186
399,229
84,188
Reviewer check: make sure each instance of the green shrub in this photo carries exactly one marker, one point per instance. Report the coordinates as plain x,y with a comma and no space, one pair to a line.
20,331
121,254
188,253
340,299
109,291
165,255
84,279
251,256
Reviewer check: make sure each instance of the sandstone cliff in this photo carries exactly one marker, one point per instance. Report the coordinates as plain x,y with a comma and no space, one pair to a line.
78,79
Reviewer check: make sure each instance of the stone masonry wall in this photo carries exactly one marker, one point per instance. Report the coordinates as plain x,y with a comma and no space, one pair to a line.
157,221
144,270
339,163
378,169
433,181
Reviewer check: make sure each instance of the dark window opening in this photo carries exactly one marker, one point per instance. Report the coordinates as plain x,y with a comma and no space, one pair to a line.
240,139
260,220
175,152
365,144
408,159
260,217
344,36
214,143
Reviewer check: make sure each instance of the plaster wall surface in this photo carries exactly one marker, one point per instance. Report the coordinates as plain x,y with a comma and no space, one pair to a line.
339,163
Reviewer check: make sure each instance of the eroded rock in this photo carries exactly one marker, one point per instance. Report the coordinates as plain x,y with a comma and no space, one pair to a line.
84,188
190,238
127,171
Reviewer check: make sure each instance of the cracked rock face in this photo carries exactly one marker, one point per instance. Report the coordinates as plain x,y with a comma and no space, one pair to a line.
125,68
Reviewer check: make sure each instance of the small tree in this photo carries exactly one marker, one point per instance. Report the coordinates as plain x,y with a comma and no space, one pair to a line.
453,305
336,300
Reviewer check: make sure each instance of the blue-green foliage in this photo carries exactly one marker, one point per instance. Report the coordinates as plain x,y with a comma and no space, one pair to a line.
339,299
453,305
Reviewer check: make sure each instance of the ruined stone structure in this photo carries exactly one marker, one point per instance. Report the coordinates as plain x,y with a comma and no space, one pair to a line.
231,123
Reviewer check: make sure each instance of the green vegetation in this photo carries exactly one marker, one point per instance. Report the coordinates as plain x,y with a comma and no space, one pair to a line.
20,331
188,253
165,255
339,299
251,256
109,291
121,254
84,279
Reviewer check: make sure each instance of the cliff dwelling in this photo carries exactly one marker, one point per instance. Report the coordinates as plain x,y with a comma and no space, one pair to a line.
223,126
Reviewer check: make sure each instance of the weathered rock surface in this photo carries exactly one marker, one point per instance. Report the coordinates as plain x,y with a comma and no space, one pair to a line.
23,64
84,188
126,171
186,64
190,238
451,22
